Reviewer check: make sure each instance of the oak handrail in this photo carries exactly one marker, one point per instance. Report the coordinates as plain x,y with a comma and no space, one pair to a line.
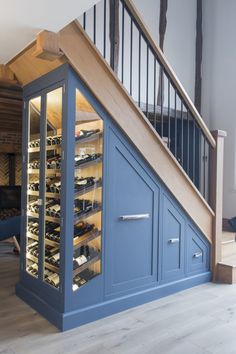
155,48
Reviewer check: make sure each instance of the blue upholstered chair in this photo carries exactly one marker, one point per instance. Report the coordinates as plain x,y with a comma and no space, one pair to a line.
10,228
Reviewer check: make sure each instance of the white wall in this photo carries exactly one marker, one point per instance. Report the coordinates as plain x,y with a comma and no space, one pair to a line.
219,80
20,21
179,47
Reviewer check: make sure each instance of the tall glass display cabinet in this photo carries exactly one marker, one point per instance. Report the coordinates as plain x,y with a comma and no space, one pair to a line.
62,208
100,233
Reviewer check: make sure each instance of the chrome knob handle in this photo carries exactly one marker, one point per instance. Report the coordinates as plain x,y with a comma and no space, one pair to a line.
173,240
197,255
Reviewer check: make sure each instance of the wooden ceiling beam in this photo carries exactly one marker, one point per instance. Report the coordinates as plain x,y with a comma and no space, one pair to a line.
47,46
6,75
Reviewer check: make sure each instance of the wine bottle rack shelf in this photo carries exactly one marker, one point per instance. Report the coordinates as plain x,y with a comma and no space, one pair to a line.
78,241
55,172
86,238
47,265
76,219
47,241
58,146
48,148
48,172
75,271
87,264
76,195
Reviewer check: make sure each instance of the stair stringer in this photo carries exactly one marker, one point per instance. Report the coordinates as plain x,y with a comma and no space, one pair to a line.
86,60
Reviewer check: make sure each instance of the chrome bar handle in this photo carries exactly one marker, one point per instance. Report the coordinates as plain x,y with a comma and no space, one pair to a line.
173,240
197,255
134,217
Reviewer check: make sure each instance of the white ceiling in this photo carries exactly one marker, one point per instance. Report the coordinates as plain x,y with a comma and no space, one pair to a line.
21,20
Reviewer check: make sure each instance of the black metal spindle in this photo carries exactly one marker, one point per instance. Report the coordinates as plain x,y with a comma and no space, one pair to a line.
131,57
176,123
180,126
188,142
182,135
194,150
169,114
123,42
161,88
139,70
204,167
105,29
94,24
84,21
147,81
154,100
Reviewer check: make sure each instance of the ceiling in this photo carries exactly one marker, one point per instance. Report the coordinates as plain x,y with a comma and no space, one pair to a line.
20,21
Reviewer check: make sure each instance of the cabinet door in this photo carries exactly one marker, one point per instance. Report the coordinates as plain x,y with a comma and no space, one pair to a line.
130,234
173,242
197,252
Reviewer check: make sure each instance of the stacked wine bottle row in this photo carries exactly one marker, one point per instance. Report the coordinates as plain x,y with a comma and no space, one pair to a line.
85,253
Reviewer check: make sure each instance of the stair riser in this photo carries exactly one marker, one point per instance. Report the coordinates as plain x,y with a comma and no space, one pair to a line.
226,274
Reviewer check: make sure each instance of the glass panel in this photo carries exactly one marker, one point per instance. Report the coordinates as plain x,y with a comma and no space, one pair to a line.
88,193
32,249
53,187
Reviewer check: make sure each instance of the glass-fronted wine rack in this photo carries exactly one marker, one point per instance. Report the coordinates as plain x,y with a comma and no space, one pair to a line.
44,212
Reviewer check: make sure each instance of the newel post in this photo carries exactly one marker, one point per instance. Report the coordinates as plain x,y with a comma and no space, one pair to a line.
216,195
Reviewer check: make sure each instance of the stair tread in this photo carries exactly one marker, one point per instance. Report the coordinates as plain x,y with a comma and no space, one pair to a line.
228,236
229,261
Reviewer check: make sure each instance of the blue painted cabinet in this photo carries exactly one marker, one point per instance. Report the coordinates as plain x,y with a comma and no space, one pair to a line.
173,242
137,243
133,200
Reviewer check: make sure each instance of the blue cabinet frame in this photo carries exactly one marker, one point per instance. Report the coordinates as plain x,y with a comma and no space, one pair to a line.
165,267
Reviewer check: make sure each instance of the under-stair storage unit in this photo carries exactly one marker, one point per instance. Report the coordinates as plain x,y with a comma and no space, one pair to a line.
100,232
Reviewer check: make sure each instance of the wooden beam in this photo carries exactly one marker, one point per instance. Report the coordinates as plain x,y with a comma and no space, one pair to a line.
28,68
47,46
6,75
162,31
216,196
198,58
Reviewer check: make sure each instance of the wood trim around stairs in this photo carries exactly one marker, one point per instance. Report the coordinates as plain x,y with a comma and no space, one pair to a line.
86,60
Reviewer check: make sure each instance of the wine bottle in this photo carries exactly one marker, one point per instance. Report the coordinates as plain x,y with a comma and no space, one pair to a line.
55,260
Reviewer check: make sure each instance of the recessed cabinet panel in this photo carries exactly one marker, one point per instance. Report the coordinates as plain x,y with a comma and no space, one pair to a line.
173,242
197,252
129,252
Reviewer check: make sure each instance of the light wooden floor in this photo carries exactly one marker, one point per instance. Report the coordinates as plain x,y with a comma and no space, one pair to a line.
199,320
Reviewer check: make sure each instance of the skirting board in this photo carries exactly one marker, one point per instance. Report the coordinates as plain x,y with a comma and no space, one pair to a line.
74,319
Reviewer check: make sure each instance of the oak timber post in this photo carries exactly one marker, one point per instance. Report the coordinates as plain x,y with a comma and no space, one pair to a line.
216,196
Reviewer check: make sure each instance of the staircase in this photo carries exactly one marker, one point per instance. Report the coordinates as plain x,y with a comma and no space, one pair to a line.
227,266
168,131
